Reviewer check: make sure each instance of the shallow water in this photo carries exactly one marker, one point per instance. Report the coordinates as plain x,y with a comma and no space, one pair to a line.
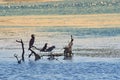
103,42
83,68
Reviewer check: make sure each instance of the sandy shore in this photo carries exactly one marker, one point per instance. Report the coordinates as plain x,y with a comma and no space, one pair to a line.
96,20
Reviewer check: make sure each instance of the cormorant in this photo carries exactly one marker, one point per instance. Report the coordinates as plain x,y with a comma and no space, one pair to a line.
50,49
31,42
44,47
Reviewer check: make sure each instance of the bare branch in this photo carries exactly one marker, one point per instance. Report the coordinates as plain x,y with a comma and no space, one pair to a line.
37,57
18,41
23,51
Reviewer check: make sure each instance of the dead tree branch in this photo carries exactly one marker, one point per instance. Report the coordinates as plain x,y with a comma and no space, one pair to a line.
23,51
37,57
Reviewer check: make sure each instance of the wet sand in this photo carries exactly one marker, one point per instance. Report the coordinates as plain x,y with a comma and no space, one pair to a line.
83,21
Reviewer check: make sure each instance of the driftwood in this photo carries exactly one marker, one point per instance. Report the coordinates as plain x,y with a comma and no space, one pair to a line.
67,52
23,52
16,56
53,54
37,57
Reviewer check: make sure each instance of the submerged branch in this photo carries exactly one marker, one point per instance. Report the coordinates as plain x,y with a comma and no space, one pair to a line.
37,57
23,51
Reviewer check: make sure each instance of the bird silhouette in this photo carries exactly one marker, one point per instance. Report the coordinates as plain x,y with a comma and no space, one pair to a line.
31,42
50,49
44,47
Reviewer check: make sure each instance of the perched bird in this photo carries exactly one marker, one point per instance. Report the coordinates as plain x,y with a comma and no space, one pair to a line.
50,49
44,47
31,42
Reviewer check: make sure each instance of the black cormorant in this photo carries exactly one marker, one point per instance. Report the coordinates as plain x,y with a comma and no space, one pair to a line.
44,47
50,49
31,42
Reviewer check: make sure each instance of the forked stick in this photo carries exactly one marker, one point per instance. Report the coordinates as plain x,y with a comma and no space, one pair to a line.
23,52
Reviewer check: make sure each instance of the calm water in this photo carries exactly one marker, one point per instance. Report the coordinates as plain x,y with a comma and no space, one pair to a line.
96,51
